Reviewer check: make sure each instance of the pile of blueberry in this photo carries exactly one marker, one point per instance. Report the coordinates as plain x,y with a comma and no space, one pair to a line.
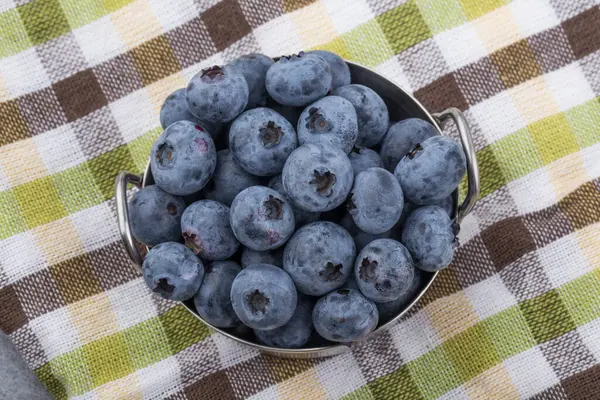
288,169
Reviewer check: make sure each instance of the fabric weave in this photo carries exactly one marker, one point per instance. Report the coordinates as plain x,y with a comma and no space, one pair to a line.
517,315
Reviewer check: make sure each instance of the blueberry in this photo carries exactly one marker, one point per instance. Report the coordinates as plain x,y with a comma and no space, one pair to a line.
292,114
302,217
251,257
254,67
330,120
183,158
172,271
206,230
344,315
429,235
296,332
372,113
228,179
213,300
217,94
384,270
175,109
319,257
298,80
361,238
154,216
261,218
390,309
432,170
376,200
351,283
340,72
402,137
362,159
447,204
317,177
261,140
263,296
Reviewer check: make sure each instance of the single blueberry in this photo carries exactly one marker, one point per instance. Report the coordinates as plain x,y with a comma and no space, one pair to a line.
432,170
390,309
330,120
362,159
361,238
183,158
319,257
213,300
254,67
154,216
317,177
228,179
402,137
261,218
376,201
340,72
263,296
261,140
344,315
296,332
302,217
172,271
372,113
206,230
429,235
384,270
298,80
217,94
251,257
175,109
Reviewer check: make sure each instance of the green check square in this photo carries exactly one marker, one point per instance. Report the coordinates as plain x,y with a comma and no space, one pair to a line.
114,5
441,15
140,148
517,155
476,8
584,120
367,44
51,382
336,46
553,138
71,367
472,352
108,359
547,316
11,217
77,188
362,393
509,333
43,20
105,168
82,12
404,26
40,202
397,385
582,297
434,373
490,171
13,36
147,343
182,328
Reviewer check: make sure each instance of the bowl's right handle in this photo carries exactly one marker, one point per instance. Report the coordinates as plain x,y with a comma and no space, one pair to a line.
124,178
472,169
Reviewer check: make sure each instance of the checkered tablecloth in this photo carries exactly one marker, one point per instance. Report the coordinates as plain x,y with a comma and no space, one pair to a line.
516,315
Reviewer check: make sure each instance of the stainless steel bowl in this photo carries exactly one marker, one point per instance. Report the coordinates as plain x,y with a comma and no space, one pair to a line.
401,105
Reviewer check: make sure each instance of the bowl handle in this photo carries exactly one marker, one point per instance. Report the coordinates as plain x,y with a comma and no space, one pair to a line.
472,168
124,178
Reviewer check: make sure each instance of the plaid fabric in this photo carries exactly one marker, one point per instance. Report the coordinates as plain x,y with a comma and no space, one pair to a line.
516,315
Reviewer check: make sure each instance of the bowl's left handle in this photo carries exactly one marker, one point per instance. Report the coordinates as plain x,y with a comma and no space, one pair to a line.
124,178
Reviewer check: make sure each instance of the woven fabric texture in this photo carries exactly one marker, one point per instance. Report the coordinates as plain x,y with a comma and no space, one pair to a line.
517,315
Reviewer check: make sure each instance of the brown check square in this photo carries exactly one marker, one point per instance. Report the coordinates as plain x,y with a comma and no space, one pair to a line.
80,94
226,23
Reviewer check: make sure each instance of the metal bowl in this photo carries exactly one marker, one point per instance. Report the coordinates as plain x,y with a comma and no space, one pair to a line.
401,105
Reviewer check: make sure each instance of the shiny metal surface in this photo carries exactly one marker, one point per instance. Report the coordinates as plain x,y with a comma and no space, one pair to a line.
401,105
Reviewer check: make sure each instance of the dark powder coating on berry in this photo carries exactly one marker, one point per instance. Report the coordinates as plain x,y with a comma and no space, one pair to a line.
213,300
429,235
254,67
402,137
344,315
384,270
432,170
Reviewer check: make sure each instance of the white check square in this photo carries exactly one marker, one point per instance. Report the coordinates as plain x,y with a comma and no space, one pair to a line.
23,73
533,16
490,297
569,86
99,41
460,46
530,372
